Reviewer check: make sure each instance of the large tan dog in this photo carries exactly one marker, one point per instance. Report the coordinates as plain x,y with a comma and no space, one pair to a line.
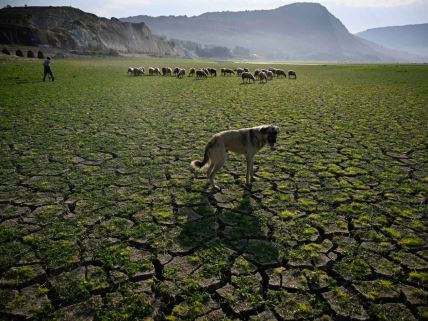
246,141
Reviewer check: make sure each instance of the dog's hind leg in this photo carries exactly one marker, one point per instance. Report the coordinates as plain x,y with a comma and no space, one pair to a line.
212,174
218,159
209,171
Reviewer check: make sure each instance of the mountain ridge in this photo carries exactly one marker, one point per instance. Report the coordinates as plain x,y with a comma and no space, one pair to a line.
298,31
412,38
73,29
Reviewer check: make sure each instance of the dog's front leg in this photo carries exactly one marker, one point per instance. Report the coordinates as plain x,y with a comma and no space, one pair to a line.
252,169
249,178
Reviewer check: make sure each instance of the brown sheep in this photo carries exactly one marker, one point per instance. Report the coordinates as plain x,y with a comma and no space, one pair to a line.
256,73
247,75
292,74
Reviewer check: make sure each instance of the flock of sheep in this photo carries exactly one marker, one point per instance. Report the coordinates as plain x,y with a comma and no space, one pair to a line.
263,75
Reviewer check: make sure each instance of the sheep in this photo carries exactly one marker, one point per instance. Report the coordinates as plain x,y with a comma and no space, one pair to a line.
246,70
158,71
239,71
192,72
181,73
164,71
130,70
269,75
168,71
212,72
200,73
292,74
176,70
151,71
138,71
280,72
228,71
222,71
256,73
247,75
273,70
262,76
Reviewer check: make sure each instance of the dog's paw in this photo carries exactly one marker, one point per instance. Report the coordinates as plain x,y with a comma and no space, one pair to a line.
216,188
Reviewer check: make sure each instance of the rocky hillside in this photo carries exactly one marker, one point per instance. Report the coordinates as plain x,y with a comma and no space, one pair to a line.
72,29
302,31
410,38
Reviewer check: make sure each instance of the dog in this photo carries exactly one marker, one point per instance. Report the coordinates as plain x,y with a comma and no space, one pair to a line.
246,141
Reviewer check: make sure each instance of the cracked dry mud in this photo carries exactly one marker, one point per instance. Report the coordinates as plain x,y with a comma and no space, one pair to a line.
102,218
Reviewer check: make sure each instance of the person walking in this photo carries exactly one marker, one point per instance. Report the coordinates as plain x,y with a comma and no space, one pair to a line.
47,69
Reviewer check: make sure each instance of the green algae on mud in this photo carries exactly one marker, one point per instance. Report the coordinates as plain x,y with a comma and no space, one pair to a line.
102,217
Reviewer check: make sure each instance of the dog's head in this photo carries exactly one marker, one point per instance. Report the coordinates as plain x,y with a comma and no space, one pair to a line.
269,133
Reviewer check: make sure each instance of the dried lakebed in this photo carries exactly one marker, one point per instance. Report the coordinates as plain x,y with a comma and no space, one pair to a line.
102,218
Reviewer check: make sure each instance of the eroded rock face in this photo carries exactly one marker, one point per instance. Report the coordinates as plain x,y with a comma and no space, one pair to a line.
72,29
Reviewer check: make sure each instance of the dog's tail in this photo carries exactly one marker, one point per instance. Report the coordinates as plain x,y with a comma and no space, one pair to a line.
200,165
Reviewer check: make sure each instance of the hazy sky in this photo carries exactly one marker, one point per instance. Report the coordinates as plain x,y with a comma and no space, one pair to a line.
356,15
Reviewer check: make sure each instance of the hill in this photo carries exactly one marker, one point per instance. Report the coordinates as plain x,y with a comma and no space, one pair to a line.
410,38
302,31
72,29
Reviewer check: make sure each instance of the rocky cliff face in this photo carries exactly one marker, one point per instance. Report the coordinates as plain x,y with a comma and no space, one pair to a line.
72,29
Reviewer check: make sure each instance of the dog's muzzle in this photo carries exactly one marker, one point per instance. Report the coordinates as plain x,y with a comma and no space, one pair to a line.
272,141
